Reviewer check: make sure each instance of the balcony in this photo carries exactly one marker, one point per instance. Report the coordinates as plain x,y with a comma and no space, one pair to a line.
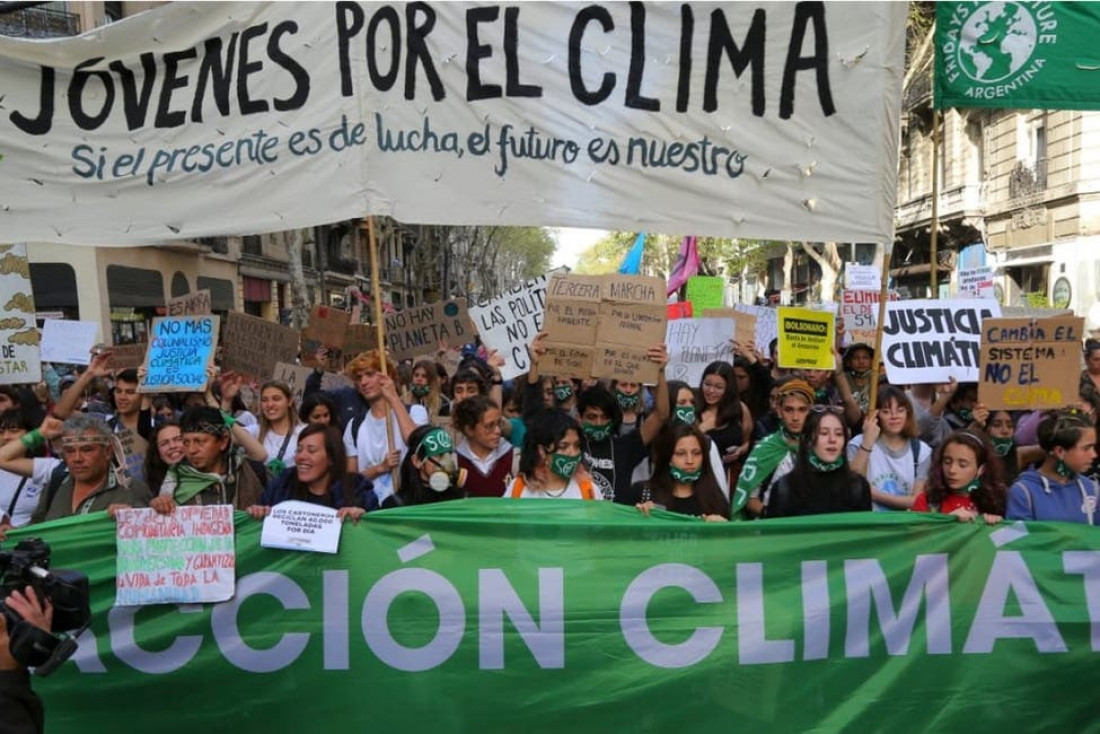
961,201
1027,180
39,22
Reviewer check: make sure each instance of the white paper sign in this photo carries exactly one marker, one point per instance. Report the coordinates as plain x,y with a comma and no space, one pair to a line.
20,361
976,282
302,526
510,322
742,119
927,341
68,342
862,277
185,557
767,324
695,343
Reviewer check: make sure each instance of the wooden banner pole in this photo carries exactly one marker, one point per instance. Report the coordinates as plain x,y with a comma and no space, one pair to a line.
380,330
884,294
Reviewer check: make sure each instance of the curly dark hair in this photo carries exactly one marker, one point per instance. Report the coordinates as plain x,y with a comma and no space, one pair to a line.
990,497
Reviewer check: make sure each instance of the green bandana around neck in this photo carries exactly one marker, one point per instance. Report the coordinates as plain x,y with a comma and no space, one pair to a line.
597,432
972,485
684,414
1003,445
688,477
788,435
563,465
421,390
1062,470
626,402
825,466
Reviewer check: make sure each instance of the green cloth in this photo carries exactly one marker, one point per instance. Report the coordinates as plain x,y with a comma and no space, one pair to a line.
763,459
186,482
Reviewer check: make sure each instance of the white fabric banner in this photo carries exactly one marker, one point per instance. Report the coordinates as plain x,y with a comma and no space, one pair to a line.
766,120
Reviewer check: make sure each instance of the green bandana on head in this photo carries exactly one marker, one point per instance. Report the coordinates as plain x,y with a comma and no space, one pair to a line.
421,390
688,477
563,392
1003,445
684,414
826,466
596,432
435,442
563,465
626,402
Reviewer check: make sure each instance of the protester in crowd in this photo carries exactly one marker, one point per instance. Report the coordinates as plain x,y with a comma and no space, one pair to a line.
565,394
550,459
319,476
18,494
1090,376
512,410
831,388
682,480
482,452
774,456
166,451
132,411
319,408
723,417
278,428
424,389
952,411
1058,489
429,472
628,394
753,378
683,412
163,410
769,422
89,477
1001,431
366,438
858,360
821,481
25,401
965,481
213,473
889,454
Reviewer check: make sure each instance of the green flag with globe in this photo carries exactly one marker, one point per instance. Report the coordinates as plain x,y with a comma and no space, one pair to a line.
1018,55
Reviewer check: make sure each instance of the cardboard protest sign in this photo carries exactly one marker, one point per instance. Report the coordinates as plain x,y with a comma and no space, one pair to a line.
806,339
859,310
187,557
420,329
976,282
744,325
510,322
567,360
301,526
925,341
767,324
134,449
294,376
253,345
329,326
20,360
862,277
618,316
1030,364
680,310
309,348
706,291
68,342
181,349
695,343
358,339
191,304
128,356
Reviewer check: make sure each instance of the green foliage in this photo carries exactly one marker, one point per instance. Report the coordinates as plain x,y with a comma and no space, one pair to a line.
530,247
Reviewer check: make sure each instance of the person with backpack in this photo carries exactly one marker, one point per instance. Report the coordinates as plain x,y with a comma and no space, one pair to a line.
551,457
889,454
682,480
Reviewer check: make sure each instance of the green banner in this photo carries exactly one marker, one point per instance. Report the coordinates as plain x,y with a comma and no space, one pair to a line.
1020,55
487,615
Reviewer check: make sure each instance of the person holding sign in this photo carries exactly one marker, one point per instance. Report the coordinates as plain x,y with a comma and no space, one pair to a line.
18,494
278,429
132,410
952,411
628,395
319,476
425,390
857,371
965,481
821,481
682,480
723,417
889,453
1058,490
482,449
550,460
773,457
429,472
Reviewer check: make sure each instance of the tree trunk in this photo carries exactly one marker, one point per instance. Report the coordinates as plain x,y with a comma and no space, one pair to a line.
299,301
788,266
829,264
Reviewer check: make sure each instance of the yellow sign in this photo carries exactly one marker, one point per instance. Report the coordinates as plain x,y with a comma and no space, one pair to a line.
806,339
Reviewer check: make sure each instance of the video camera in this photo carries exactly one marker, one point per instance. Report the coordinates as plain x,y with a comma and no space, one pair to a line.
28,564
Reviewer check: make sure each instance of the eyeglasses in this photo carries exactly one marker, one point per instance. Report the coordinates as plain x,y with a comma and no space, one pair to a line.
827,409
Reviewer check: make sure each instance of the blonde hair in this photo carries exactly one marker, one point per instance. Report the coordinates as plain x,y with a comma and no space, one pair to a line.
370,361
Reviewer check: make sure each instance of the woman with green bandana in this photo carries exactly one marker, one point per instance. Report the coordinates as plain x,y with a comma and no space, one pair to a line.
889,453
550,461
682,480
429,472
965,480
952,411
1000,428
821,481
630,399
773,457
424,390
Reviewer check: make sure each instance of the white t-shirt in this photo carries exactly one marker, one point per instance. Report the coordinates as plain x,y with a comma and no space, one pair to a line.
25,505
274,441
571,492
891,472
370,446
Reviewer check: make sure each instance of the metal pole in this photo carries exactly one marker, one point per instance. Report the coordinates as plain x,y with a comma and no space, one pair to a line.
934,242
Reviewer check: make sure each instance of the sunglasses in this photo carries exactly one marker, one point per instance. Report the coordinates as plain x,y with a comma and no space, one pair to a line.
827,409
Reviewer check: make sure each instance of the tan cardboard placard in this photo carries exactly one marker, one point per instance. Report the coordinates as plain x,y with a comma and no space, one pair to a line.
134,449
625,323
616,360
572,309
253,345
744,324
334,357
358,339
1031,364
567,360
128,356
419,329
295,377
328,326
198,302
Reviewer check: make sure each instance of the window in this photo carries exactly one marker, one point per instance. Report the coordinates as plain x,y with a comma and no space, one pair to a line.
252,244
975,150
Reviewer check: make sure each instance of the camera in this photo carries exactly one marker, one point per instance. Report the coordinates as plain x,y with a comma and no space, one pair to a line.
28,564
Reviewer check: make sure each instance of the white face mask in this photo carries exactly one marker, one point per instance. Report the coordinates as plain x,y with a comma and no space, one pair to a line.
445,473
